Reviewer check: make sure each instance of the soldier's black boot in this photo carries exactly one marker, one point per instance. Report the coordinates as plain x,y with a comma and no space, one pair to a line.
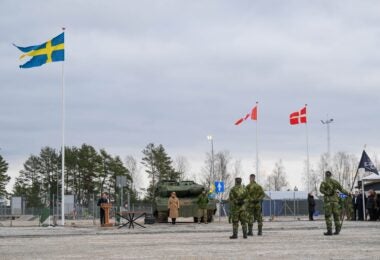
337,230
234,234
245,232
260,231
250,233
328,233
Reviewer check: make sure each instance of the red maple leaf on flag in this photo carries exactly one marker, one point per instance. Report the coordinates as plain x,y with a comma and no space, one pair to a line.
252,115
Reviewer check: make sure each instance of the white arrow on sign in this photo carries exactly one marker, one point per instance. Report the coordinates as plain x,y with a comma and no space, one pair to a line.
219,186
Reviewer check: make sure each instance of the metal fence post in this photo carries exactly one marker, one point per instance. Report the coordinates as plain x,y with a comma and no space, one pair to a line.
294,204
93,208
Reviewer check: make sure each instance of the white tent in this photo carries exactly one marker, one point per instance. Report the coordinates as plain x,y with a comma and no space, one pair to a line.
370,178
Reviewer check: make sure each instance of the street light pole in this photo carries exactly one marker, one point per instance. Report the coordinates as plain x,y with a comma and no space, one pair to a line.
210,138
327,122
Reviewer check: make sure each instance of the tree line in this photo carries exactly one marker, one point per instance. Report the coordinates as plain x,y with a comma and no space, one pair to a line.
89,172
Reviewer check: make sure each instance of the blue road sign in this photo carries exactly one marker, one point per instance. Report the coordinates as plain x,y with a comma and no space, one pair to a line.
219,186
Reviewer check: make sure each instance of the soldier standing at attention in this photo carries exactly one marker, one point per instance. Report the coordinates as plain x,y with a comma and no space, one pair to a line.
202,207
255,196
329,188
238,195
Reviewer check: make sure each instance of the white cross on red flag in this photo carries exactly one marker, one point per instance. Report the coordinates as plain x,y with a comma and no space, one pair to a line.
298,117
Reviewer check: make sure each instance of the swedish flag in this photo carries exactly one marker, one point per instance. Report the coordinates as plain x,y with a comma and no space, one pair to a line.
50,51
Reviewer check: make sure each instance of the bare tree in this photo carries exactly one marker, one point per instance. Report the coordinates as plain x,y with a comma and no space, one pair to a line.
223,171
236,172
323,166
131,165
206,172
277,180
314,179
181,165
376,161
344,167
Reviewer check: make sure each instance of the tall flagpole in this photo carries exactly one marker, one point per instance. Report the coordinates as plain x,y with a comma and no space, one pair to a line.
307,156
63,145
257,149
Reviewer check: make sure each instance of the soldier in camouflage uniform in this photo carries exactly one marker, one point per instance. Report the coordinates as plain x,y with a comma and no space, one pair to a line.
202,203
238,195
329,188
253,205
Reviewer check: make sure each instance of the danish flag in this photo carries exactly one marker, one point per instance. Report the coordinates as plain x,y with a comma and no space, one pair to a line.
298,117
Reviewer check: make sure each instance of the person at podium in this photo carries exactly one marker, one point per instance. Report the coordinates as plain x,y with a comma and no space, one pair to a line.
103,199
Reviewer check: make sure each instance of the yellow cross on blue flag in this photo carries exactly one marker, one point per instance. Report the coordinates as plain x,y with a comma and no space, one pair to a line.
50,51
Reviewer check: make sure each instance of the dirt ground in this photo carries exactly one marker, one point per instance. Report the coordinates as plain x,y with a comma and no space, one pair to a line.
282,239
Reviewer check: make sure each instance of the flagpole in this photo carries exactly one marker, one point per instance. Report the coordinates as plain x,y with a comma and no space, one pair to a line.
63,145
307,157
257,149
353,182
363,198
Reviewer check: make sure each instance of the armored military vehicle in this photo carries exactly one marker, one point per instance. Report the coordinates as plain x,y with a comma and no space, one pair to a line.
187,193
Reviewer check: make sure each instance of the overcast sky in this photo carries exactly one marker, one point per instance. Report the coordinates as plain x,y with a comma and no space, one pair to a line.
172,72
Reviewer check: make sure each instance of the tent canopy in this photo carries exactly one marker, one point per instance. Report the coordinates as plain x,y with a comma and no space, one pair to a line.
372,177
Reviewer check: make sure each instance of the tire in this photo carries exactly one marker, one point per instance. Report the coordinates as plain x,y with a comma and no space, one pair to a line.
195,220
210,216
162,217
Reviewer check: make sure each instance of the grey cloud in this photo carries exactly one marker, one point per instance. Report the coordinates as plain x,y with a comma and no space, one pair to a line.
172,72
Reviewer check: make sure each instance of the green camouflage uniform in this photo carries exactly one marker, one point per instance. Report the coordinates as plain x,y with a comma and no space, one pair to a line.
253,205
329,188
238,195
202,207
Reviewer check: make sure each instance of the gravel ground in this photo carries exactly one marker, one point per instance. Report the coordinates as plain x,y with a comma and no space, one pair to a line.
282,239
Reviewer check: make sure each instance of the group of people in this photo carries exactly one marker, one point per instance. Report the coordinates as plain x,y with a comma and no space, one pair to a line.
371,206
174,205
245,207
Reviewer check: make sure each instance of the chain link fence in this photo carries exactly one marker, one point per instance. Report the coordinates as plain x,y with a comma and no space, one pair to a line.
283,208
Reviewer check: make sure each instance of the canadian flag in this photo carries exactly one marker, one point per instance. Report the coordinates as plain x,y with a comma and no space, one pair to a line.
252,115
298,117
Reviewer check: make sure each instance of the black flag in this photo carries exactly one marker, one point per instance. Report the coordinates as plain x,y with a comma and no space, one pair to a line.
366,163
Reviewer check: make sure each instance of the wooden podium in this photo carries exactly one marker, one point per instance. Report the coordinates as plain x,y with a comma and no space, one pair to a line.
106,207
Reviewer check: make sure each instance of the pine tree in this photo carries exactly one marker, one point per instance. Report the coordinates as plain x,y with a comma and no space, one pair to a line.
158,167
30,183
4,178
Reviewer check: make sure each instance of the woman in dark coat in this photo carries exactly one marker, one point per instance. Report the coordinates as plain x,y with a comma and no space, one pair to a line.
378,206
371,205
311,205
